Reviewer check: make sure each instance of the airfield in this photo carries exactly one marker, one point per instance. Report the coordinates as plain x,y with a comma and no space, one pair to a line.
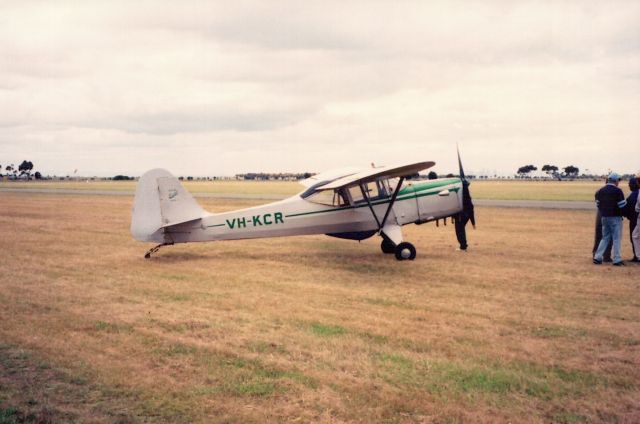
521,328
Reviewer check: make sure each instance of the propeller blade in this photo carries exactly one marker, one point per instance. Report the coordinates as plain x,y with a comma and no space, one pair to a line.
467,202
462,176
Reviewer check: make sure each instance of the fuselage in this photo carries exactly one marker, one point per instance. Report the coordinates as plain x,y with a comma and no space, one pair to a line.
416,202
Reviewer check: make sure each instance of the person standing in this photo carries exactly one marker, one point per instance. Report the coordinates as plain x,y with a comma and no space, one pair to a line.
631,214
465,215
598,236
610,201
635,236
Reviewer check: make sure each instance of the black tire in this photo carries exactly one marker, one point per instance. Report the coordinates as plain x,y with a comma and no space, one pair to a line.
405,251
387,246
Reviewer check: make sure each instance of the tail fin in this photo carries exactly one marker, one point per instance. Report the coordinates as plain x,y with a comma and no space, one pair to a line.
161,202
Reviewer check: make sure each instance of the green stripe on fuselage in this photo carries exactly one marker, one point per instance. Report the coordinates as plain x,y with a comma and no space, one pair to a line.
416,187
411,192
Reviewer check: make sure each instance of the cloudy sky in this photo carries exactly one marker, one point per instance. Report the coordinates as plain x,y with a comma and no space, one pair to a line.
216,88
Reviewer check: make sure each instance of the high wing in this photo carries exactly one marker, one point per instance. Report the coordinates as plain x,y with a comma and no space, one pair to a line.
330,175
391,171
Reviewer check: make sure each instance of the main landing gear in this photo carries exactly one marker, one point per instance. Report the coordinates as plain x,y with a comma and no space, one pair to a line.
403,251
391,233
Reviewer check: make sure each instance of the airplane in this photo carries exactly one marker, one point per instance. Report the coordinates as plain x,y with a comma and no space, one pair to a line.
347,203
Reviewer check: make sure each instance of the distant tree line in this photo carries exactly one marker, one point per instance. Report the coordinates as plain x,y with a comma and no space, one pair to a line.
274,176
20,172
551,170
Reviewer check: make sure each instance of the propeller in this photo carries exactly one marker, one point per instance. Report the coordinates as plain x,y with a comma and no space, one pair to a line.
467,202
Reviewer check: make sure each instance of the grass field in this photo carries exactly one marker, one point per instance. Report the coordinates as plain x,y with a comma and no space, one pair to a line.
498,189
522,328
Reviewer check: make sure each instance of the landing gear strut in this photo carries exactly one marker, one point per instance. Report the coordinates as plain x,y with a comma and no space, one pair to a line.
387,246
155,249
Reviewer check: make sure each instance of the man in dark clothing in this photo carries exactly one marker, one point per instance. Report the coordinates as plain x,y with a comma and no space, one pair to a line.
630,213
610,201
598,236
464,216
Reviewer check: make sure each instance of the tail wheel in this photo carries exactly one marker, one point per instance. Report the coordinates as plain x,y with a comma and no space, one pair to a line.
387,246
405,251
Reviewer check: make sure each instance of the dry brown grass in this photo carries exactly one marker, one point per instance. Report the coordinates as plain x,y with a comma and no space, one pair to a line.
312,328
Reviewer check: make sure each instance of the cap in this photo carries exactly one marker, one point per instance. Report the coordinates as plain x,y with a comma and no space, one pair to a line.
613,177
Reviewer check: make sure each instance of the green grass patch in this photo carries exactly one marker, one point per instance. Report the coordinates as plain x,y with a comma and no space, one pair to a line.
10,416
249,377
323,330
462,379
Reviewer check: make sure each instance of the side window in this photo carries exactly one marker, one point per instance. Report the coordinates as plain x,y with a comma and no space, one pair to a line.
391,183
385,189
340,198
375,190
328,197
371,189
356,194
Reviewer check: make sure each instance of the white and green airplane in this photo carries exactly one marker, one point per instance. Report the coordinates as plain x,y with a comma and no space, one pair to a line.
347,203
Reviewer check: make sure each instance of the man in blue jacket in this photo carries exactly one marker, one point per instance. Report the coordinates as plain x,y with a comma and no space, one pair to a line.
611,202
631,214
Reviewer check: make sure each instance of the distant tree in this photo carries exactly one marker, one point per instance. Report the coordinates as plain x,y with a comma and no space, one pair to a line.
551,170
189,178
571,171
37,175
307,175
25,168
432,175
449,175
524,171
121,178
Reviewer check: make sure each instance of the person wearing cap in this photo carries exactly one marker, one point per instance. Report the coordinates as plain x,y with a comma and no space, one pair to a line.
611,202
632,215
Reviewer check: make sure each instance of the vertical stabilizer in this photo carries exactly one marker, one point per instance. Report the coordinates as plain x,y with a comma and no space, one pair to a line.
160,202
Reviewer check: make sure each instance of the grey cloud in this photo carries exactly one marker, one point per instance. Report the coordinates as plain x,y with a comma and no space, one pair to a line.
180,122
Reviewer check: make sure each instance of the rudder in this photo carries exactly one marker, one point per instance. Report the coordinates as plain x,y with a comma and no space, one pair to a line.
160,202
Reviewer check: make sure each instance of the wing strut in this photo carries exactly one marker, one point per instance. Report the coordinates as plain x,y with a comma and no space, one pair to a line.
393,200
365,194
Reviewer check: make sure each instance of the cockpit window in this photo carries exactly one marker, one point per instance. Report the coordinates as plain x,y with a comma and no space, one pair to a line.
374,190
329,197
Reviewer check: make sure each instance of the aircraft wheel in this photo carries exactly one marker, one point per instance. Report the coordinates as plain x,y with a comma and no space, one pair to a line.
387,246
405,251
